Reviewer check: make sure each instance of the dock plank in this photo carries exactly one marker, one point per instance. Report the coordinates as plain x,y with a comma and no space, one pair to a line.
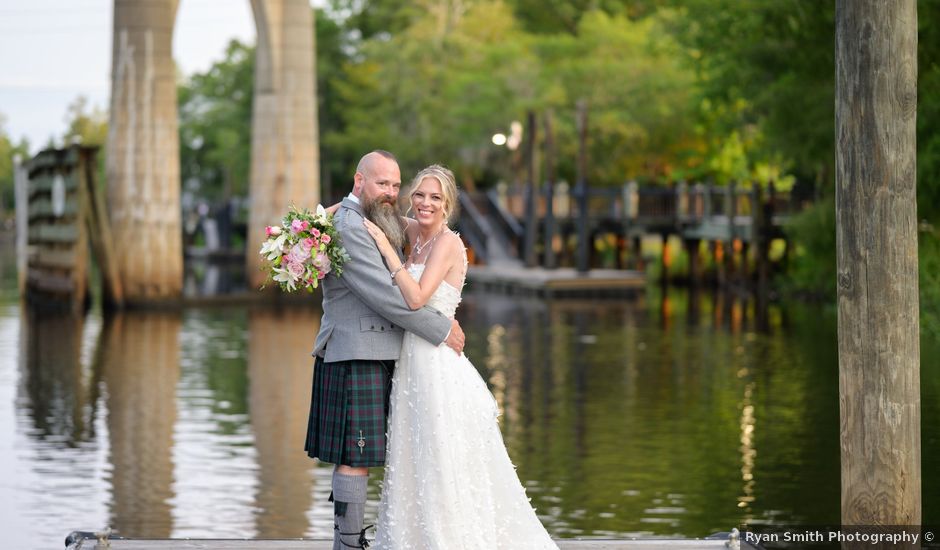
551,282
321,544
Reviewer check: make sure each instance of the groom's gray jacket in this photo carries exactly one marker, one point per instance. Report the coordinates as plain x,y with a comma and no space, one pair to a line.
363,312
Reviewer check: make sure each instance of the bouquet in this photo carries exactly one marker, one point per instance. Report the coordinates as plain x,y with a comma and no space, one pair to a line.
303,249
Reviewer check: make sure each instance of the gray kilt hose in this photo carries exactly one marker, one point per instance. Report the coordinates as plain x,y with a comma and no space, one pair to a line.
364,319
348,413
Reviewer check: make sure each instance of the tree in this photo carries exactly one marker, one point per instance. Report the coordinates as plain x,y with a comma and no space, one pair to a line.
84,124
437,91
215,125
564,16
439,88
765,69
333,47
928,112
88,126
639,93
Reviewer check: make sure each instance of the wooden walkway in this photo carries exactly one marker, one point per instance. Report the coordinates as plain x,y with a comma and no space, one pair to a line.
312,544
568,282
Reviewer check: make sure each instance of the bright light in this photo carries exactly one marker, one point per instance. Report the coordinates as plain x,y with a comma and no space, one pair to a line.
499,139
515,135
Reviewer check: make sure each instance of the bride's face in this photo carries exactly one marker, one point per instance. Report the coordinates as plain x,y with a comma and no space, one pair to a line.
427,202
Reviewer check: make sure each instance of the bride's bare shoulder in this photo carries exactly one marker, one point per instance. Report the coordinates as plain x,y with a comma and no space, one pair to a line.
455,247
453,240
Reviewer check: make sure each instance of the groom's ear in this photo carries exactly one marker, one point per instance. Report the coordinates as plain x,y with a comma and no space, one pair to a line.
357,183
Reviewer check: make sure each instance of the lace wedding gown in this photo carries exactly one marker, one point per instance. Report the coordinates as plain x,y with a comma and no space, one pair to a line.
449,483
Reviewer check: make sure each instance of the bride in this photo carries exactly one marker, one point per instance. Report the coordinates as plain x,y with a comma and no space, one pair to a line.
449,482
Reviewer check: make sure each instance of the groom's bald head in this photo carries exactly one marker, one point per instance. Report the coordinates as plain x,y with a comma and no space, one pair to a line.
371,161
377,174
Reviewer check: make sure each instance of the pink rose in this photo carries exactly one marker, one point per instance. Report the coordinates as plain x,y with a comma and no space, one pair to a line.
315,232
300,253
272,230
321,274
297,226
305,224
296,270
309,243
325,239
322,263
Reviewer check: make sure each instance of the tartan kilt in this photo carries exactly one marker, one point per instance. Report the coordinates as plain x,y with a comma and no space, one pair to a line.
349,412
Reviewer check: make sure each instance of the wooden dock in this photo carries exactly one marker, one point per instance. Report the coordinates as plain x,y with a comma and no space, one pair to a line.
322,544
558,282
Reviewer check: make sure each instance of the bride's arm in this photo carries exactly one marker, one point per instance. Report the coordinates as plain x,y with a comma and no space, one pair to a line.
443,257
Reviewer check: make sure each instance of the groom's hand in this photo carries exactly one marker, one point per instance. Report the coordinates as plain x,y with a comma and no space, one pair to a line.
455,340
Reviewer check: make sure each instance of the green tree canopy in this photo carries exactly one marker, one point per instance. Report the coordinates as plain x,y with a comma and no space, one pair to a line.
85,124
9,149
215,125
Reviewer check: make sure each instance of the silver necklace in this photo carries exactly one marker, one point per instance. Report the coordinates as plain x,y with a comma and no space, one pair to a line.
418,248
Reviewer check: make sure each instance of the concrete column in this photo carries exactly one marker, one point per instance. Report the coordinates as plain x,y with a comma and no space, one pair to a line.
143,151
285,157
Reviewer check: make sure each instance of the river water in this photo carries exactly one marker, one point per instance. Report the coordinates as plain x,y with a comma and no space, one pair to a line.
666,414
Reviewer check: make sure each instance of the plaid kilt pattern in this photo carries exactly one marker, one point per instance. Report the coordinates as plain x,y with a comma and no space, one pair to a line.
349,412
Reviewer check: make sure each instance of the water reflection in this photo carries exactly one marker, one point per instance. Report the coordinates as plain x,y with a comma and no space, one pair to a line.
214,453
676,413
621,420
139,359
56,392
280,369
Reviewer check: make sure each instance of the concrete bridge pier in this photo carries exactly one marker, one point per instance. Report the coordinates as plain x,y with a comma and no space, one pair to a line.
285,159
143,168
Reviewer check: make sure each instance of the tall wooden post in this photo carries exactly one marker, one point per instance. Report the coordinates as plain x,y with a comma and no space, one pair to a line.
583,252
692,247
21,200
550,261
876,235
731,199
531,195
143,151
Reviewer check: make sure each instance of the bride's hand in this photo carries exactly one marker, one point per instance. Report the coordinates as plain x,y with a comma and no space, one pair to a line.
381,240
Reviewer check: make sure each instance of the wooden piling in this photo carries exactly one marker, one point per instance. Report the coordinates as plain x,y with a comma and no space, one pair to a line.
585,245
531,221
21,199
64,211
57,250
550,261
876,235
95,216
695,260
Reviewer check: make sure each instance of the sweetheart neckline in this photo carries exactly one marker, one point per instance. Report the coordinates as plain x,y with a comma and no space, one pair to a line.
443,281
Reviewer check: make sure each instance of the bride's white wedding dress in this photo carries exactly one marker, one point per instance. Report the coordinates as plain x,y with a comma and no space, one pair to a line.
449,483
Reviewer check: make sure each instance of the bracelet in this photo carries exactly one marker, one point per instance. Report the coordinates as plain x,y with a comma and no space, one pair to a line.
394,273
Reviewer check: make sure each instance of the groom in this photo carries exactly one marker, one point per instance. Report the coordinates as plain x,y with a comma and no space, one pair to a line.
359,341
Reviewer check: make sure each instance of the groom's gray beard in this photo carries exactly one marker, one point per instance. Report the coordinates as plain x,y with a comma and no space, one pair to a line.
385,215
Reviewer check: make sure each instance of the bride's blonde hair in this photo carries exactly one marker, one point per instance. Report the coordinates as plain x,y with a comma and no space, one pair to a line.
448,187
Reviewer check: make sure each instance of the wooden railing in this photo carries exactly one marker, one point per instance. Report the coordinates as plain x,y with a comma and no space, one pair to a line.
696,211
681,203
